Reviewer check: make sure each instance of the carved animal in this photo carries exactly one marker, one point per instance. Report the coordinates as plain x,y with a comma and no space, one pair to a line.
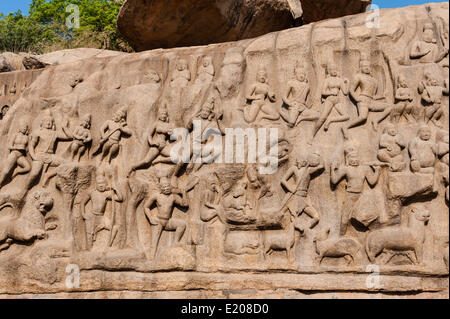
29,225
336,247
281,239
400,239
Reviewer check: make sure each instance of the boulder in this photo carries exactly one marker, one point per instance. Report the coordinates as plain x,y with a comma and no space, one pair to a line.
175,23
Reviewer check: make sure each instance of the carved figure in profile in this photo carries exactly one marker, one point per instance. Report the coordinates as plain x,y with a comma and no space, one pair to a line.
391,146
95,218
166,199
82,137
260,97
295,98
17,163
367,99
211,198
205,72
427,50
112,132
42,149
181,76
432,92
345,247
29,225
423,152
355,173
334,91
158,139
297,201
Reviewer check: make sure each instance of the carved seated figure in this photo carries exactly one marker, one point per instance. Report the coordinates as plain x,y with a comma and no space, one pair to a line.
403,101
423,152
260,96
391,146
205,73
238,209
181,75
426,50
432,94
81,138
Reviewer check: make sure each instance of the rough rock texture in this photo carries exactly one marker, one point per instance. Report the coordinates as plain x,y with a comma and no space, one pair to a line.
347,195
151,24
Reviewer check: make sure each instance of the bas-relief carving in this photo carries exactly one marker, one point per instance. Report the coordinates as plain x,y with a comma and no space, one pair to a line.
362,174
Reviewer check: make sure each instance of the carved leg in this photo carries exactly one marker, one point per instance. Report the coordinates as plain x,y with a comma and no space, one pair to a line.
23,166
157,237
146,162
326,110
361,119
339,107
8,168
179,226
113,152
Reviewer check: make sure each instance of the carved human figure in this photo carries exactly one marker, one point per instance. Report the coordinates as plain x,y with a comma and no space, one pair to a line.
81,135
211,126
295,97
298,201
258,185
423,152
260,97
158,139
355,173
426,50
432,92
390,148
17,157
211,198
181,76
366,99
165,200
112,132
334,90
42,149
443,147
95,218
205,72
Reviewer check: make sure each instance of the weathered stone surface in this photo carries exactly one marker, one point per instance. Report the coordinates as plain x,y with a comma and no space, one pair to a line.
349,199
174,23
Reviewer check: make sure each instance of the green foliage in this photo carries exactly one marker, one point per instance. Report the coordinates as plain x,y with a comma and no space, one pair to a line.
45,28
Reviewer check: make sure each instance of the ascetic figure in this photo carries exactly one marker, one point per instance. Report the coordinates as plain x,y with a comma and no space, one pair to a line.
17,157
355,174
165,200
427,50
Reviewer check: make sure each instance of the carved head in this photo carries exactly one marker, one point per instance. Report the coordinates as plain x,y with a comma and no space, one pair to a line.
47,121
301,162
240,189
120,115
163,115
153,76
332,70
424,133
366,68
100,183
207,109
206,61
43,202
428,33
165,187
86,121
401,81
23,128
261,76
182,65
300,74
3,111
420,213
314,159
390,129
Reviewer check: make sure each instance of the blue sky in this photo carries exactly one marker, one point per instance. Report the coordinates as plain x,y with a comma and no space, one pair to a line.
7,6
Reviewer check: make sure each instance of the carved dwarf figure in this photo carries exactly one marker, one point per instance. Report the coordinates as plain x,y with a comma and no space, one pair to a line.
165,200
205,72
432,93
355,174
366,100
260,97
334,90
427,50
95,218
17,157
390,148
111,135
43,148
295,98
158,139
181,75
81,135
302,174
423,152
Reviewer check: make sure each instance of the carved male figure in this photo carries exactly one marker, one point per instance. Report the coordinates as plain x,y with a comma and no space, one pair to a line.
95,218
211,198
43,147
17,157
355,173
423,152
432,92
81,135
302,174
390,148
165,200
111,134
181,75
260,96
333,92
205,72
367,97
295,98
427,50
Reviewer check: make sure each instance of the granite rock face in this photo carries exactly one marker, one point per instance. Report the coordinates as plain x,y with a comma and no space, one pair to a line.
155,24
311,162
